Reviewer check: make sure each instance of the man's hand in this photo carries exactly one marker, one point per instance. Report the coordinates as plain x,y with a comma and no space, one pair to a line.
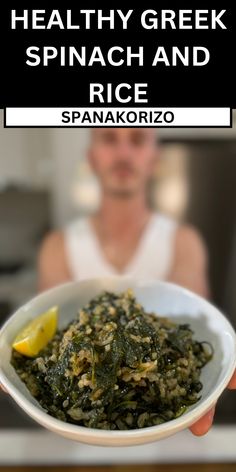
203,425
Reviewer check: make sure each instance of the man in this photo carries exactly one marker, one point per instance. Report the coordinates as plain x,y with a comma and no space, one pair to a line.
124,160
124,236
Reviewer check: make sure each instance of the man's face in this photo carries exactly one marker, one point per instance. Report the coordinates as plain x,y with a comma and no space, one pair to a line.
123,159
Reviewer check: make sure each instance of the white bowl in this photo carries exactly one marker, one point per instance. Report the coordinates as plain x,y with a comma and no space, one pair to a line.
163,298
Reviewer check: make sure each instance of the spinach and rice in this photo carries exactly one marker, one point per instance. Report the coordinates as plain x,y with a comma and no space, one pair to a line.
116,367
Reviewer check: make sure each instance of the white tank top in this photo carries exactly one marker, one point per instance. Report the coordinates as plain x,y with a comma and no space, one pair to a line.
153,257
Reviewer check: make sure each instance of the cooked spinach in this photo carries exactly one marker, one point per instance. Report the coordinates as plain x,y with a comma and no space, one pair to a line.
117,367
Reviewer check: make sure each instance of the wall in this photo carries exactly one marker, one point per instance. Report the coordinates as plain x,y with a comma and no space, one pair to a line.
68,148
24,156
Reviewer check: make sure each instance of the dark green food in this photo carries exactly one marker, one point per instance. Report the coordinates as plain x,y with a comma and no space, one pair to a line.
117,367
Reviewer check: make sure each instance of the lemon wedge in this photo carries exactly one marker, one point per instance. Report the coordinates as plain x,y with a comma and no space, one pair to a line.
37,334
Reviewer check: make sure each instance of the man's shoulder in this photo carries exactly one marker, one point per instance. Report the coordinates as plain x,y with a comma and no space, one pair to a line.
52,261
190,240
56,240
188,233
53,243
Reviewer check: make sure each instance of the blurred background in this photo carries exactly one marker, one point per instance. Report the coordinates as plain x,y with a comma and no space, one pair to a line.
45,181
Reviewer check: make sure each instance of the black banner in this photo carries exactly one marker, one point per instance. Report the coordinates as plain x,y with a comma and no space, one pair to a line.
77,57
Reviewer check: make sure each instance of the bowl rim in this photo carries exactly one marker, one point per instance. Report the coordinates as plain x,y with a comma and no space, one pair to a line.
167,428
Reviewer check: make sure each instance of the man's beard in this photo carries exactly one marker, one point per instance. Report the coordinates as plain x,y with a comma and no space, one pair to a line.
122,191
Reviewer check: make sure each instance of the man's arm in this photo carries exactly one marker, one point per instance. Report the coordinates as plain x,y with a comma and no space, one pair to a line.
190,261
52,264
